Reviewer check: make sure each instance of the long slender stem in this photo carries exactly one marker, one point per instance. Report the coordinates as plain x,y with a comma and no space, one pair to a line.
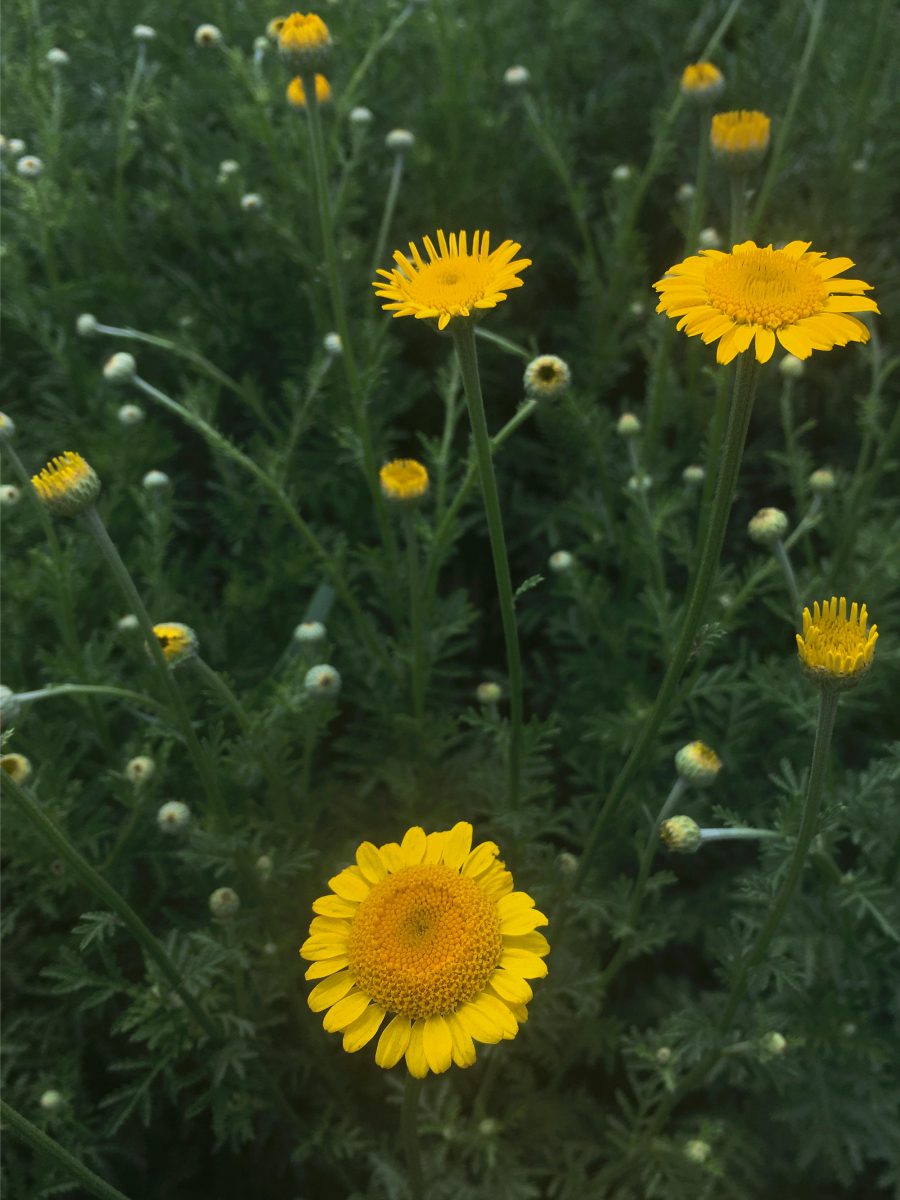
464,340
387,216
410,1133
50,1148
108,895
743,395
92,689
417,634
737,230
698,203
783,559
204,767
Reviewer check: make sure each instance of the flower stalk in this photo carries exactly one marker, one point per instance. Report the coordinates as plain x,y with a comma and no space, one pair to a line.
48,1147
409,1126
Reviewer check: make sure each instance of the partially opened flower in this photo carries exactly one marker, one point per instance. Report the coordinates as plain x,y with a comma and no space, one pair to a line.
67,485
428,935
178,642
836,648
403,479
740,138
702,81
759,293
455,281
303,40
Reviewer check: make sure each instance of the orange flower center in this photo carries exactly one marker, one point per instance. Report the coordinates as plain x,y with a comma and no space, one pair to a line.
762,286
424,941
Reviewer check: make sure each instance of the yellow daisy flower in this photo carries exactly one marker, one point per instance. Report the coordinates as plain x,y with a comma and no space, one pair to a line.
67,485
178,642
454,281
296,93
304,41
740,137
834,647
702,80
403,479
757,292
429,935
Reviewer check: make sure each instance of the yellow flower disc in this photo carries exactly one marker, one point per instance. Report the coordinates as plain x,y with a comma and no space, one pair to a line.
834,646
739,133
428,935
303,41
702,79
454,281
176,641
759,293
67,485
403,479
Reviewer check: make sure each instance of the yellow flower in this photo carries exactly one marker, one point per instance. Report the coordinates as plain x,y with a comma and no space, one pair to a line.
16,766
702,80
835,648
296,93
403,479
67,484
304,41
177,642
741,138
698,763
762,293
454,281
274,28
430,934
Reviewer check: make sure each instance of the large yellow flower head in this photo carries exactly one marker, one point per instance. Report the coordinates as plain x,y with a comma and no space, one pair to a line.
740,138
296,93
429,935
836,648
758,293
67,485
455,281
304,41
702,81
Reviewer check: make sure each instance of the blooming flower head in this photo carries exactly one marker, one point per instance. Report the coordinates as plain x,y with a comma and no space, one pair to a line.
67,485
702,81
403,479
546,376
178,642
454,282
304,41
296,93
740,138
759,293
429,935
836,648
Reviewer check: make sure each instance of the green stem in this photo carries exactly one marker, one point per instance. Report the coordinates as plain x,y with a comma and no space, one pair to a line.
464,340
713,454
409,1127
415,616
744,392
387,216
375,47
204,767
784,561
739,834
229,450
43,1144
108,895
737,186
92,689
784,126
658,391
698,204
785,404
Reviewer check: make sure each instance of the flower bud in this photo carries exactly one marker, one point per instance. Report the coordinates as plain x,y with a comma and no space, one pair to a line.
791,367
333,344
156,481
128,624
697,1151
16,766
681,835
130,414
400,140
621,173
30,166
403,480
10,706
67,485
561,561
640,482
740,139
224,903
252,202
143,33
173,817
86,325
663,1055
516,77
57,57
772,1045
270,949
488,1127
822,481
686,192
322,680
488,692
178,642
628,425
7,427
702,81
698,764
304,43
768,526
120,369
52,1101
709,239
264,867
207,35
139,770
9,495
228,168
15,147
546,377
360,116
309,632
637,308
567,864
693,475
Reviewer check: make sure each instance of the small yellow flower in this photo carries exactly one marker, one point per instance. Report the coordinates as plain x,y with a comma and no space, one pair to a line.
16,766
304,42
740,138
274,28
836,649
403,479
67,484
178,642
702,81
757,292
296,93
454,282
428,934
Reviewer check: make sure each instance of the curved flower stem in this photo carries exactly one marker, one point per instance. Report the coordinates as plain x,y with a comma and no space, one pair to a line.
828,700
739,833
204,767
409,1126
743,395
92,689
464,340
50,1148
375,47
339,313
387,216
108,895
221,444
784,126
783,559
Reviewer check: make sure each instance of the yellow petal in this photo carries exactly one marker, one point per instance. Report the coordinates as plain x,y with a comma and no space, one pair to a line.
333,928
438,1044
497,1012
416,1062
350,884
535,942
478,1026
515,902
329,991
463,1049
325,967
413,846
393,1042
392,856
523,921
511,987
370,863
794,341
523,963
458,844
765,345
479,859
315,948
334,906
345,1012
434,847
363,1029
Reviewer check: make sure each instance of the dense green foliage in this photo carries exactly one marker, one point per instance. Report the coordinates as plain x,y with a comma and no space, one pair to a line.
131,220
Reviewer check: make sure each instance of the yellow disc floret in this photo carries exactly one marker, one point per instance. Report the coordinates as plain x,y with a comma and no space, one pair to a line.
304,41
454,282
702,80
403,479
67,485
424,941
177,642
837,647
741,137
